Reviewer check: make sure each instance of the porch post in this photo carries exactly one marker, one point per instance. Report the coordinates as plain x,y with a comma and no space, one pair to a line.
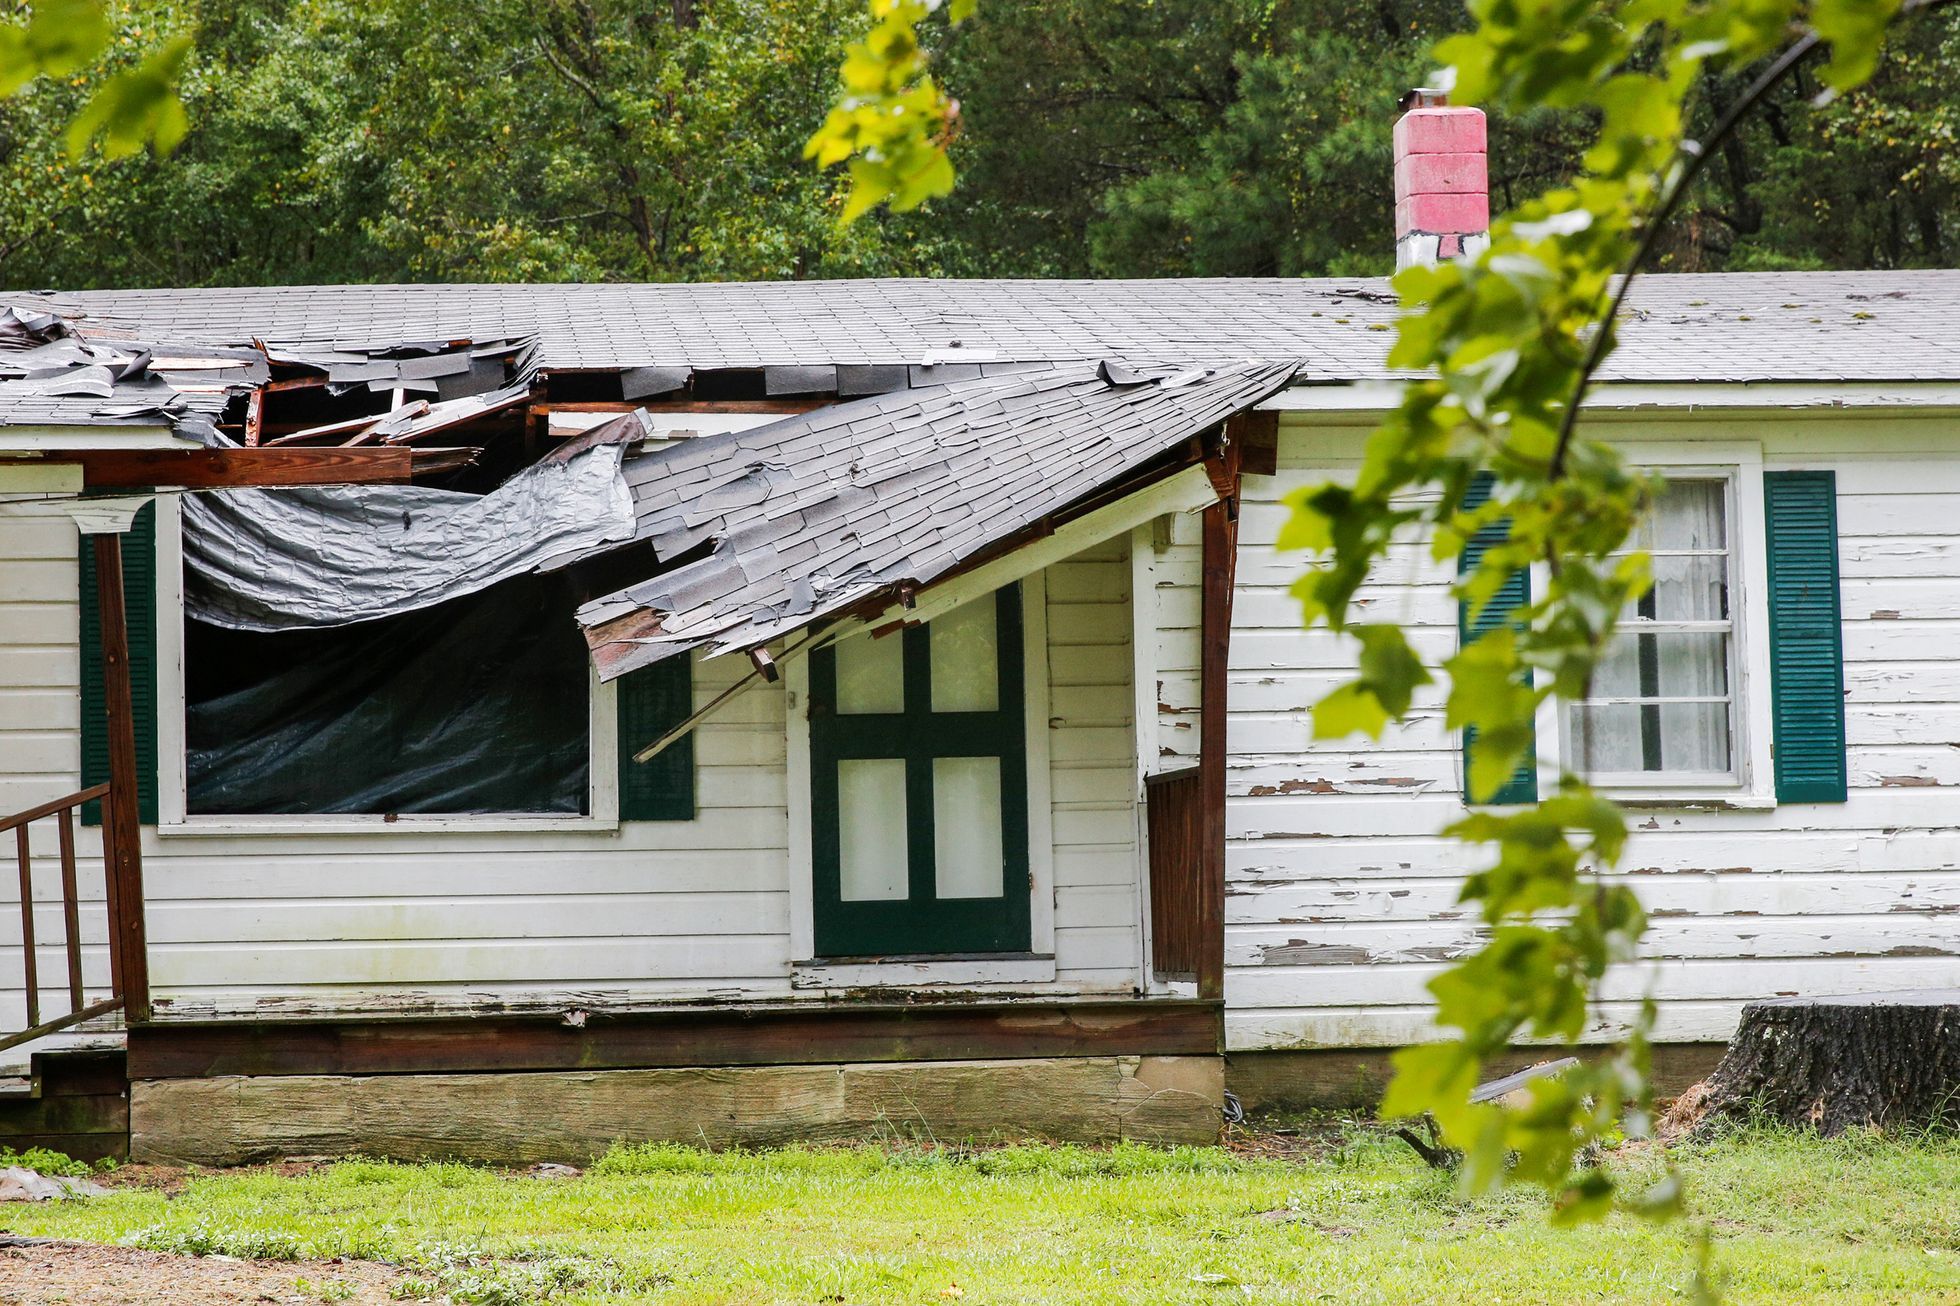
122,856
1220,558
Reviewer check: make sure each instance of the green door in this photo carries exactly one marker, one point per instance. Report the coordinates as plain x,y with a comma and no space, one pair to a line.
919,788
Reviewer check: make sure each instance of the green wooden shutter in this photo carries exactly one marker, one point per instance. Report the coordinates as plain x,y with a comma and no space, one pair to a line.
1805,636
139,560
1516,593
652,701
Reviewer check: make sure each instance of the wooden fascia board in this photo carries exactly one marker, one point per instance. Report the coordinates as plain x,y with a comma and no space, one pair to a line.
205,469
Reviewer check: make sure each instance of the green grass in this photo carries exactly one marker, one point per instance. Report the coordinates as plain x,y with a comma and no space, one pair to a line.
1795,1219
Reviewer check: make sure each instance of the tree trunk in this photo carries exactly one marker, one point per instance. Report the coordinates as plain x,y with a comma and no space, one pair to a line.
1882,1060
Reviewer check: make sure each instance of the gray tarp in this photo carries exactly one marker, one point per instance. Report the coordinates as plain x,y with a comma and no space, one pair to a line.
288,559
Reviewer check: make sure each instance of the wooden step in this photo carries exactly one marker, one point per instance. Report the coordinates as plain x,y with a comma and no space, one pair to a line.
75,1102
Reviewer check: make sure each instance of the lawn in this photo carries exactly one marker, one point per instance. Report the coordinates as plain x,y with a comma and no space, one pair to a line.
1351,1218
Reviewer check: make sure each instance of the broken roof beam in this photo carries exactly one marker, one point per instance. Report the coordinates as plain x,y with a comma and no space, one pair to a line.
344,427
785,406
213,469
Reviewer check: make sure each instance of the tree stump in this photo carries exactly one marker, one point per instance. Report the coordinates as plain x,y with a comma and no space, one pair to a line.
1877,1060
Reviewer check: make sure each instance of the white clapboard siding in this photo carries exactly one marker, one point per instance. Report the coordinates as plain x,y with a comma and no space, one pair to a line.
1711,978
420,919
1342,899
1697,934
1738,899
1681,1020
1092,768
40,754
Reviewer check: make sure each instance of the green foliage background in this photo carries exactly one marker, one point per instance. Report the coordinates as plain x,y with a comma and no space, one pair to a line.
395,140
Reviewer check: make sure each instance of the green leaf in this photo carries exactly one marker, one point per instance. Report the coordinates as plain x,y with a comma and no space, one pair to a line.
1389,667
1428,1077
932,178
1856,31
871,183
64,36
18,66
135,107
1349,710
1587,1201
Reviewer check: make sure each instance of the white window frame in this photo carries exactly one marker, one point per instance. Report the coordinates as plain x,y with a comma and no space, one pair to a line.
1751,783
173,817
806,972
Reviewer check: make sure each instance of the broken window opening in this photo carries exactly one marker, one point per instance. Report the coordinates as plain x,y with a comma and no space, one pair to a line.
480,705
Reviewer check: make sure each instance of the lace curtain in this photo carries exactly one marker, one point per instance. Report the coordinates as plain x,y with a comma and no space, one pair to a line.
1660,699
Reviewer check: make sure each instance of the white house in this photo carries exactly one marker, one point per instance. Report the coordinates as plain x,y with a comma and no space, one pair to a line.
900,589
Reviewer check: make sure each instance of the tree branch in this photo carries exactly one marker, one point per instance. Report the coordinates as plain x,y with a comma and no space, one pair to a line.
1694,156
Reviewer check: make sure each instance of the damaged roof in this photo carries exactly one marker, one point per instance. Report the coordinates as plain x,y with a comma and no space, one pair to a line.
1735,327
54,373
51,375
805,517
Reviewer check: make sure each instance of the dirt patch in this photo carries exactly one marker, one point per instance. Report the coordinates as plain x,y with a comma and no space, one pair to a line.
1681,1116
166,1179
44,1272
1304,1141
171,1180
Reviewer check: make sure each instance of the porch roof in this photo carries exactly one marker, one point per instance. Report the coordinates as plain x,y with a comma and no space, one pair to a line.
818,514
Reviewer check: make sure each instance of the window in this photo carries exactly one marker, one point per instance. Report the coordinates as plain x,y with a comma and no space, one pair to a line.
919,789
1662,706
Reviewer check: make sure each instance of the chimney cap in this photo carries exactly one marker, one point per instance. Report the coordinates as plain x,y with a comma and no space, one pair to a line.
1423,97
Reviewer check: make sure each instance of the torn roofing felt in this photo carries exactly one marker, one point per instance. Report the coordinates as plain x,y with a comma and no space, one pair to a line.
803,518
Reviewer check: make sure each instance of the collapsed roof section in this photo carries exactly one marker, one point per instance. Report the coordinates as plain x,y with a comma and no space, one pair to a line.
763,532
53,374
50,375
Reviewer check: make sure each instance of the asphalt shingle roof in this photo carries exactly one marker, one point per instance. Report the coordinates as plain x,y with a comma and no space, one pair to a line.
1771,326
807,516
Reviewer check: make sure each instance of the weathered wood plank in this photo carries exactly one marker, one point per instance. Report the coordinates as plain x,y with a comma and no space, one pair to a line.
104,469
1745,898
1353,1080
1675,935
1723,979
713,961
1329,1025
706,1037
514,1119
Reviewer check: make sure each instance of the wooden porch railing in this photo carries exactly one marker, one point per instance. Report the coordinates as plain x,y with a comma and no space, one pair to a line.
1174,809
63,812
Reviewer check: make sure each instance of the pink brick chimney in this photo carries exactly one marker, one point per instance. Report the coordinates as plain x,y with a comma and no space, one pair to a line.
1442,180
